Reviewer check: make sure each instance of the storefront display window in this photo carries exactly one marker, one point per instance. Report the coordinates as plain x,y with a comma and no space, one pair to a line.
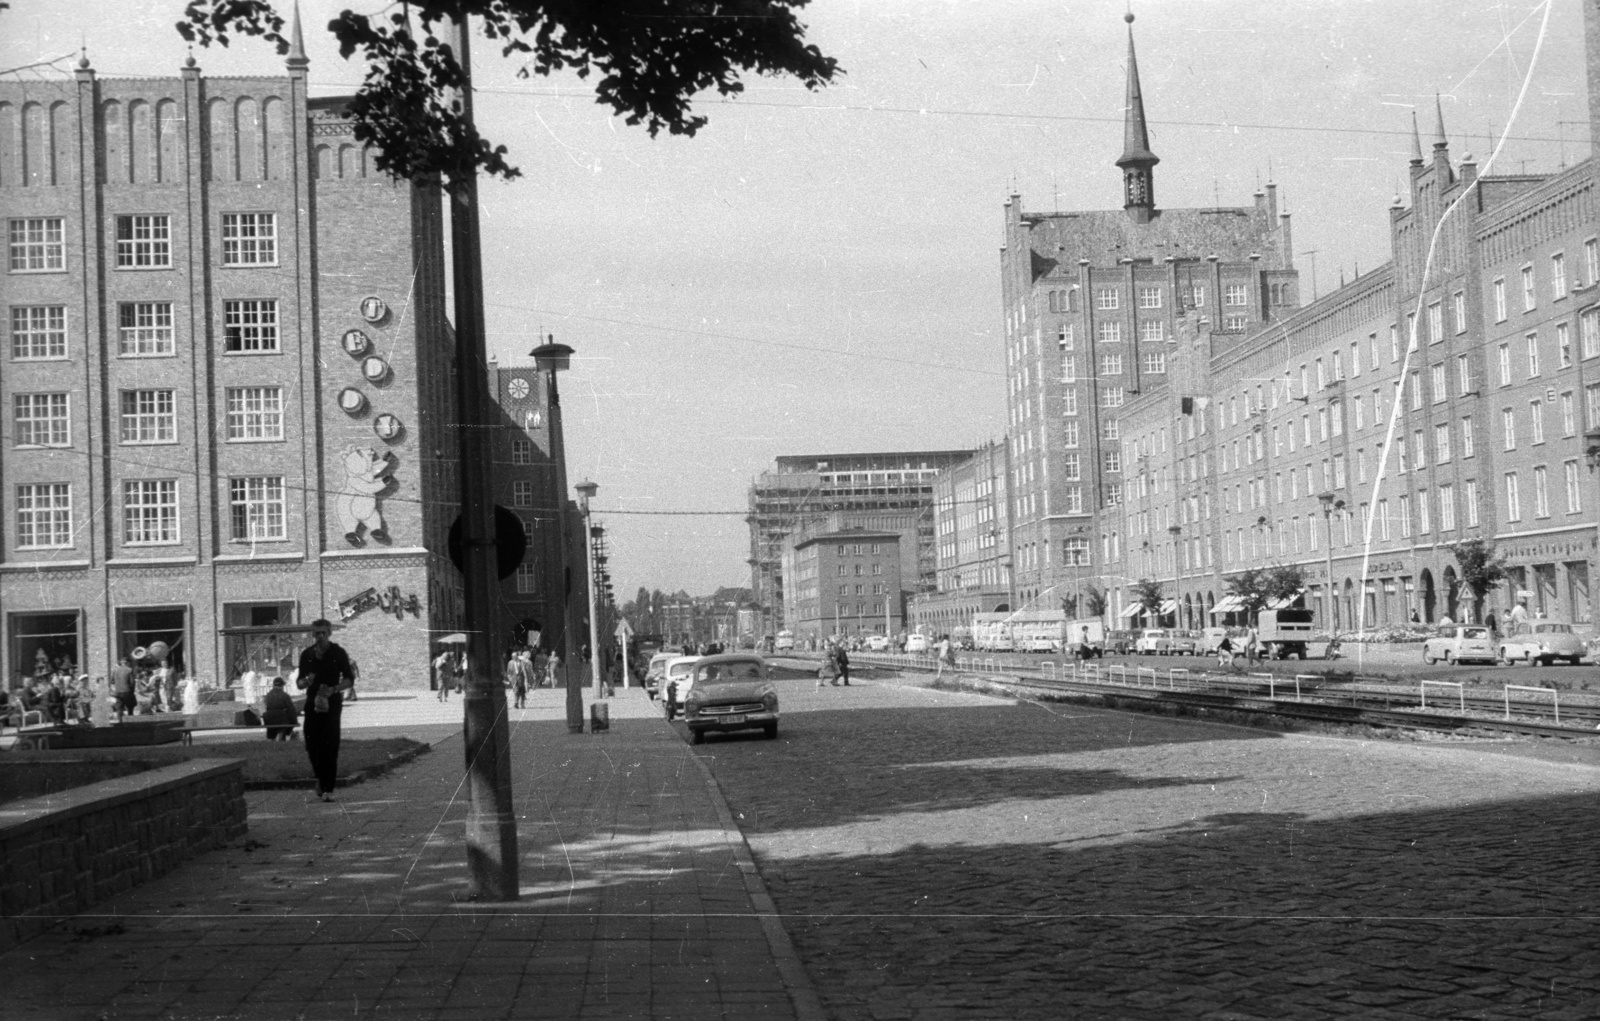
269,653
140,628
42,643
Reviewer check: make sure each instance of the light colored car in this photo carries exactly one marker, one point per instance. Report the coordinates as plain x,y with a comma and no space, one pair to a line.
653,673
1460,645
731,692
877,643
917,643
1542,642
1182,643
679,671
1153,641
784,641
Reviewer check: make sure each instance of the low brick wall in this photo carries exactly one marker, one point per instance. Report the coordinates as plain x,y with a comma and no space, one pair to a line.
63,853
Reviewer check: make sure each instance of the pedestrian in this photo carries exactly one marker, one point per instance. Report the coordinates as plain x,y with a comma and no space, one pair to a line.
1085,650
1492,624
444,670
325,675
553,665
829,670
944,656
1519,613
844,665
520,672
1252,645
541,669
122,699
1416,618
1225,652
279,713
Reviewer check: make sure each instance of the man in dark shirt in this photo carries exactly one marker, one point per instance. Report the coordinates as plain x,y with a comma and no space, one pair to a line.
122,699
324,674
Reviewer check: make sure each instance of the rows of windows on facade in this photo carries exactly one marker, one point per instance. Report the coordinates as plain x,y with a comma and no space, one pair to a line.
145,329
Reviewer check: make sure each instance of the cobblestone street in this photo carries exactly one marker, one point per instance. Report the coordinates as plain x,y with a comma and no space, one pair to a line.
947,855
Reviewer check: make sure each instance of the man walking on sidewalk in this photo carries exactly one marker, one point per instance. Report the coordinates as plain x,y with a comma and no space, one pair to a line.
325,675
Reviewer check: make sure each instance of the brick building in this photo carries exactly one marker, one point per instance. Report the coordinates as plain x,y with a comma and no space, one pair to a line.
228,375
972,532
843,583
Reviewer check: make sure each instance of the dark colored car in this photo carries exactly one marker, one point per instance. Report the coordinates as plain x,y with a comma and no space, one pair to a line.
1118,643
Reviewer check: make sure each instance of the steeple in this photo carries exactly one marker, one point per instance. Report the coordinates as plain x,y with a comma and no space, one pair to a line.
297,60
1136,161
1439,139
1416,142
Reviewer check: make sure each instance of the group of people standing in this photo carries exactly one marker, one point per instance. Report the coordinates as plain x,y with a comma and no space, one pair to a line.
835,667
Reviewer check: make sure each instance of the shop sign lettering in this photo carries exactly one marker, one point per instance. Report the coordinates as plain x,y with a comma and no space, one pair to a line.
390,601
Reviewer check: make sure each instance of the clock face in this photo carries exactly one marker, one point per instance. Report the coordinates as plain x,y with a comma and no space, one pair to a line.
387,426
356,343
519,388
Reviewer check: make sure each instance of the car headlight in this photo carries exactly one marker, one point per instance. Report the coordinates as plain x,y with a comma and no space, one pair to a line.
770,700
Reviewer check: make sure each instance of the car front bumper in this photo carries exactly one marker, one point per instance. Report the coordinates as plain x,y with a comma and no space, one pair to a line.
732,721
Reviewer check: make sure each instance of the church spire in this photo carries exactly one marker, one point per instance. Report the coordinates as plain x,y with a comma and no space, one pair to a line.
297,45
1136,161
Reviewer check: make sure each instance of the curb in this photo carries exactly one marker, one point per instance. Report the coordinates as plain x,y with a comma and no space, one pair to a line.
807,1005
360,776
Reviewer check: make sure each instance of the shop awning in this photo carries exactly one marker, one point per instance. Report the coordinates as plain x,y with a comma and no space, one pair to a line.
1170,606
1228,605
1133,611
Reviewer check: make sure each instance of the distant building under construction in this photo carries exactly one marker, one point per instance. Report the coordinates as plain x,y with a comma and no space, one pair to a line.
816,492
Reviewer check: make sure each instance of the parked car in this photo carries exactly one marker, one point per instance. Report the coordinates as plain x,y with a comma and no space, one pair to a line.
1542,642
653,673
732,692
916,643
1459,645
785,641
1211,639
1119,643
679,671
1153,641
1182,643
877,643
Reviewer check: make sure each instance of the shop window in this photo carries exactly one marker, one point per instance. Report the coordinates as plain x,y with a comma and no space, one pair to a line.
42,643
138,628
270,653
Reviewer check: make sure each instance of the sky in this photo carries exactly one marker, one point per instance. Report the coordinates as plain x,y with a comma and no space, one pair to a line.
818,272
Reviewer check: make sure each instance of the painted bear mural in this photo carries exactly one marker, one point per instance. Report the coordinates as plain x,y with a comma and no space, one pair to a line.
366,474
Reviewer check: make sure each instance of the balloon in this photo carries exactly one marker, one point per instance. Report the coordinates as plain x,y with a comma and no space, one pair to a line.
157,651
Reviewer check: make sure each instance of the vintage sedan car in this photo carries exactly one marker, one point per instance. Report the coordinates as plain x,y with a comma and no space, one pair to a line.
1460,644
653,673
1120,643
1153,641
1182,643
877,643
1542,642
676,680
917,643
732,692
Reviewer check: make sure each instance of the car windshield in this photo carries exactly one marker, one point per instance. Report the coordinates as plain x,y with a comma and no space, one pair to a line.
1558,629
720,673
1474,632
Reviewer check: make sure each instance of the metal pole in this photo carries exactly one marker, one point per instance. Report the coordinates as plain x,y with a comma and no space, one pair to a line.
491,829
594,616
1333,605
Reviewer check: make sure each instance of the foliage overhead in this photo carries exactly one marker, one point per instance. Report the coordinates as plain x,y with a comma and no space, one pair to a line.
651,58
1249,586
1147,592
1094,601
1482,568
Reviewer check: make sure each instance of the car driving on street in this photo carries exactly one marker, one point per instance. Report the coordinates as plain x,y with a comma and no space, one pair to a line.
732,692
1460,645
1542,642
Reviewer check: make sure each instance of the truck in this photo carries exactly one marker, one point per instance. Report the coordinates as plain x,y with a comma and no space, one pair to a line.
1090,631
991,632
1284,633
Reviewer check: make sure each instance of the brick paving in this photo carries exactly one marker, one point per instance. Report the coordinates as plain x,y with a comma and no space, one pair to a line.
946,855
639,899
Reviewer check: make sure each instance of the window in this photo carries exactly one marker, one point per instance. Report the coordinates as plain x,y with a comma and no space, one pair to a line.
249,239
1424,513
1529,301
1536,416
1458,311
1338,471
1070,435
1110,365
1235,295
1463,375
255,413
1447,508
1197,296
41,420
1405,516
1278,294
1322,424
250,325
1541,495
1064,337
1574,488
147,417
1513,498
1383,519
1069,374
1564,345
150,512
1106,300
1358,417
1466,436
1411,331
1110,429
1155,363
1394,343
44,516
1470,492
522,496
1069,402
38,331
1558,276
1591,401
521,451
527,579
1441,443
1569,415
37,245
1504,353
1152,331
1070,467
1338,366
1508,427
1500,299
1591,262
1235,322
1337,408
256,504
1112,397
144,241
1421,448
1075,552
1149,297
1437,383
144,329
1435,322
1532,340
1355,359
1113,460
1416,389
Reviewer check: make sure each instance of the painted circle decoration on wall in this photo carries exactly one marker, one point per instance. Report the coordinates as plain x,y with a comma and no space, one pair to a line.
387,427
373,309
375,369
519,388
352,401
356,343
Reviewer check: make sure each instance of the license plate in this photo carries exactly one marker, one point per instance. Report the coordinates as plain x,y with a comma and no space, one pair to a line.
731,719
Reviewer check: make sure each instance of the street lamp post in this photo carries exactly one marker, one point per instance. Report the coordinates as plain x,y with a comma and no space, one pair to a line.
1177,575
552,358
586,491
1330,503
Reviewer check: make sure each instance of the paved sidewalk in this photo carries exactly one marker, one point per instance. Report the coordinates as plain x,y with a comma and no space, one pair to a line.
639,898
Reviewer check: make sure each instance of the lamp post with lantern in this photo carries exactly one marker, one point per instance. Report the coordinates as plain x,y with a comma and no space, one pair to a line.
552,358
586,491
1330,503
